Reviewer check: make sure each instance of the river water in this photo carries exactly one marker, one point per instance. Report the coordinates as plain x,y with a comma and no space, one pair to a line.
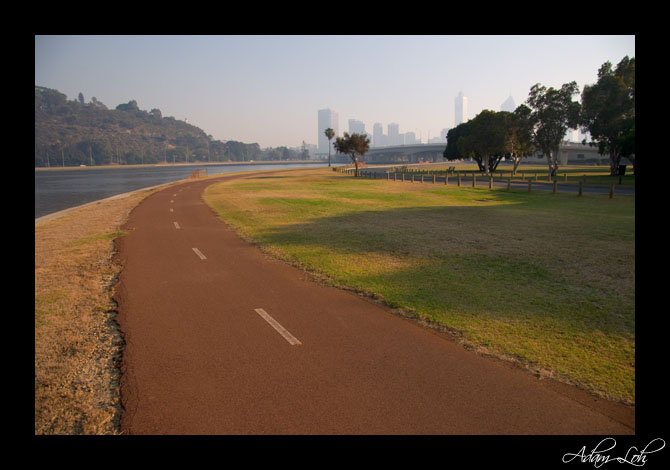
56,190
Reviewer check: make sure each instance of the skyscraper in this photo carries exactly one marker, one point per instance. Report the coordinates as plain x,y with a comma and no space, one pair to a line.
356,126
377,135
461,109
508,105
393,133
327,118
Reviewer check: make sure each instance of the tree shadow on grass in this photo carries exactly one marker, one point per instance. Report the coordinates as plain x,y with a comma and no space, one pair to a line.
454,267
479,259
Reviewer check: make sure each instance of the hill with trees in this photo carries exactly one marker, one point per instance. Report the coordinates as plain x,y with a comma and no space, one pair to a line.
74,133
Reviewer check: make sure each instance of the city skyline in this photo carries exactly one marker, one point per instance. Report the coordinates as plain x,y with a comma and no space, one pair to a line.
266,89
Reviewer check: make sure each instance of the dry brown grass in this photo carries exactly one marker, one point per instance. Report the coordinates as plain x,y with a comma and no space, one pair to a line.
76,340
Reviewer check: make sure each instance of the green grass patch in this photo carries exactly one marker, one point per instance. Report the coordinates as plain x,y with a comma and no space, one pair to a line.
94,238
46,305
545,278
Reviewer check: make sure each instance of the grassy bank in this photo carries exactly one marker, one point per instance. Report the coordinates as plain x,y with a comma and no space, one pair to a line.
77,345
544,279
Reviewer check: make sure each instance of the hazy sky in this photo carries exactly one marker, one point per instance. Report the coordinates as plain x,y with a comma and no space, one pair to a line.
268,89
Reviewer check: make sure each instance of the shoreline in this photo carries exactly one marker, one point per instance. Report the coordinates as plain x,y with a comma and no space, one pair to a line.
61,213
178,165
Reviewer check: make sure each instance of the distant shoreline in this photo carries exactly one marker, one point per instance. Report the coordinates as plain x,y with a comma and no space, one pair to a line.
163,165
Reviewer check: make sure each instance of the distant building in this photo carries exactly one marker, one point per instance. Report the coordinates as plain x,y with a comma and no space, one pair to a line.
356,127
508,105
393,134
327,118
410,138
377,134
460,109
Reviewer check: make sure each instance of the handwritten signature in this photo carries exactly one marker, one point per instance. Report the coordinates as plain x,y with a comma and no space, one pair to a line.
598,458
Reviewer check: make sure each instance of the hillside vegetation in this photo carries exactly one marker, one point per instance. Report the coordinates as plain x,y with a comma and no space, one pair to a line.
74,132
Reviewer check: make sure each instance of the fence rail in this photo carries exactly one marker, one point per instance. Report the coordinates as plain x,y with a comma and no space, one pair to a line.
419,175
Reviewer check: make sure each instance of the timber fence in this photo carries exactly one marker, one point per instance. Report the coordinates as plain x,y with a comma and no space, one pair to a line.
523,179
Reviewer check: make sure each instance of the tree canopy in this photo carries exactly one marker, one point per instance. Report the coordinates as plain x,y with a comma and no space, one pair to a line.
486,139
489,137
551,113
354,145
608,111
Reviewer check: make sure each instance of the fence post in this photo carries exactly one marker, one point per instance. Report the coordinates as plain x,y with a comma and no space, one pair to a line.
566,177
459,179
433,178
530,182
490,182
611,190
509,183
580,188
555,182
474,180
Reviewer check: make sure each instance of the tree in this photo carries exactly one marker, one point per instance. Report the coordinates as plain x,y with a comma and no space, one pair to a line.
628,146
81,98
519,142
330,134
451,152
129,106
608,110
354,145
156,114
552,113
304,155
486,139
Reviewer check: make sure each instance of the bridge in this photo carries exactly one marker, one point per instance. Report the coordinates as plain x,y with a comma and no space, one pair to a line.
569,152
405,153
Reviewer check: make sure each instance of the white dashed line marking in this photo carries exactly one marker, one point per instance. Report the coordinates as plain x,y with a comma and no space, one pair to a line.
280,329
176,225
197,252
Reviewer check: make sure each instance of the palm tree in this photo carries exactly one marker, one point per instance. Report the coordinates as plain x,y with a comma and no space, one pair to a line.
330,134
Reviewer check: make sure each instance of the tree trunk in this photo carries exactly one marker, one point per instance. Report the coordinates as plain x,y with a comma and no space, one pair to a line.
552,160
516,159
615,160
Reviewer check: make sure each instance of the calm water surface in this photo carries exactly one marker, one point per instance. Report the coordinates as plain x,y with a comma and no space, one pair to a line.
62,189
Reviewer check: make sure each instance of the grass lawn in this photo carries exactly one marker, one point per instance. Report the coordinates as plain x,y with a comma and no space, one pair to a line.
544,279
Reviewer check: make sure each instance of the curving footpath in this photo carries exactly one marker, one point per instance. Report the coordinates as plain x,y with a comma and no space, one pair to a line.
222,339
